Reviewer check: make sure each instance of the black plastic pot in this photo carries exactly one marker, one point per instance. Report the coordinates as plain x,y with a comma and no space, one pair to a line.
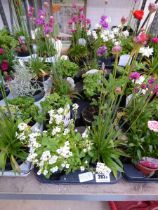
43,78
39,94
23,54
89,113
109,62
78,76
6,90
8,166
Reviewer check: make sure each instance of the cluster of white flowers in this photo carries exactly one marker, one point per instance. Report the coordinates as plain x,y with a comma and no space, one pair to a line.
102,168
87,143
58,116
22,133
65,150
146,51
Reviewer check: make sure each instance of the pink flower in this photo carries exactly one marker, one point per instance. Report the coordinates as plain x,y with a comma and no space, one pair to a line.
124,20
4,65
88,21
142,38
75,19
1,51
153,125
153,7
81,17
81,9
116,49
134,76
118,90
154,40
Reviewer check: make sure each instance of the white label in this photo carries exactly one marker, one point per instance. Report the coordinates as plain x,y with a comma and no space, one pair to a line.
124,60
85,177
102,177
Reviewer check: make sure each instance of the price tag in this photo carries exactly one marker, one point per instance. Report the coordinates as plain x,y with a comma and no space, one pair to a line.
100,178
85,177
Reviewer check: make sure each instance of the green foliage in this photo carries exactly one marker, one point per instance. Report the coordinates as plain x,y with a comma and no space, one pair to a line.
78,53
6,40
142,142
66,68
38,67
45,47
54,101
25,109
127,45
92,84
10,147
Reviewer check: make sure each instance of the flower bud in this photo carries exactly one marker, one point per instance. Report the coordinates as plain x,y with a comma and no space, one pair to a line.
152,7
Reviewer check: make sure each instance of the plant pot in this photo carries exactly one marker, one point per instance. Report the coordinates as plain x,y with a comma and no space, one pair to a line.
39,94
88,114
23,54
78,76
109,62
8,166
6,90
145,170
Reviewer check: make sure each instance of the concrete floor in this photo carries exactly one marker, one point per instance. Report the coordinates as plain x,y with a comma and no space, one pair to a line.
52,205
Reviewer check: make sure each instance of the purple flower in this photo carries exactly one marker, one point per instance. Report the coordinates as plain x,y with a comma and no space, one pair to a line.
47,29
102,51
134,76
116,49
151,81
143,86
40,21
104,22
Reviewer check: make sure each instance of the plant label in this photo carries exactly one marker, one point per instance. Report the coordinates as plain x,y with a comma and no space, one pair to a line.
100,178
124,60
85,177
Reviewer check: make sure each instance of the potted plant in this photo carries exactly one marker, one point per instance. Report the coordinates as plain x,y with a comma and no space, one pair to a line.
13,144
61,149
25,110
24,84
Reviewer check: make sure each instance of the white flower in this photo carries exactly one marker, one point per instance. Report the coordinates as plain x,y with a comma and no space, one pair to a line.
111,36
21,136
97,26
39,172
116,30
51,112
67,166
53,159
82,168
63,165
117,43
84,150
22,126
58,119
105,38
94,34
54,169
46,155
60,110
125,33
45,172
85,134
66,131
146,51
64,57
75,106
82,42
56,130
89,33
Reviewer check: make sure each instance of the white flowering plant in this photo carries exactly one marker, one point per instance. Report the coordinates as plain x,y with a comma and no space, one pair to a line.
13,142
60,148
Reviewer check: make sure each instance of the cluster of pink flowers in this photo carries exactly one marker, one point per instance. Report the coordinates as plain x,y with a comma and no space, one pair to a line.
79,20
153,125
42,19
116,49
141,39
150,86
154,39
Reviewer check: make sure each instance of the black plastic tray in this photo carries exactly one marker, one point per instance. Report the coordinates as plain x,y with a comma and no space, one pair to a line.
72,178
132,174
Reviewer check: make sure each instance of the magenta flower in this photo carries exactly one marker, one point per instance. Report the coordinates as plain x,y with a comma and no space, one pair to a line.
81,17
151,81
40,21
102,51
1,51
153,7
75,19
4,65
143,86
88,21
154,40
134,76
47,29
153,125
116,49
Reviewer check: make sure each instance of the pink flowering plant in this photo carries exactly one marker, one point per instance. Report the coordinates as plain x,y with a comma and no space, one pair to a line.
44,29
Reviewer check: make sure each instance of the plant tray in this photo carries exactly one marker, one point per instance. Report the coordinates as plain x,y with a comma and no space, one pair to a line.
134,175
25,170
73,178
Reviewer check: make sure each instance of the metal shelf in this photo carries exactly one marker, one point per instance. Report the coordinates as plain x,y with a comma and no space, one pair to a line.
28,188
